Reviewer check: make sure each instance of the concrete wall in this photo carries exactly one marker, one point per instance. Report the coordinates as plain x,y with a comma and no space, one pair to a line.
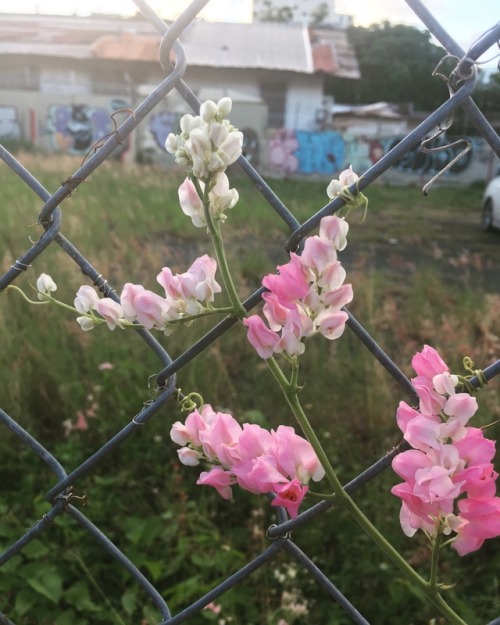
73,124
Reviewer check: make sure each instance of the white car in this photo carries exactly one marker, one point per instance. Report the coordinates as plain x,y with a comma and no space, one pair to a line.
490,216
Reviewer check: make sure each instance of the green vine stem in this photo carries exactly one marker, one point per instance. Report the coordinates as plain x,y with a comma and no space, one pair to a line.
215,233
344,499
436,546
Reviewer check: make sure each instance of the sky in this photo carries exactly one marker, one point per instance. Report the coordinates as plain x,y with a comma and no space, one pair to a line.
465,20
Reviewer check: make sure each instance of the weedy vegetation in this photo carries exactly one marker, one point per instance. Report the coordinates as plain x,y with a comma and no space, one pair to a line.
422,271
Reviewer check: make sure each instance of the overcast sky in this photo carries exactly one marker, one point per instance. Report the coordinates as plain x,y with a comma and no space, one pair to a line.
465,20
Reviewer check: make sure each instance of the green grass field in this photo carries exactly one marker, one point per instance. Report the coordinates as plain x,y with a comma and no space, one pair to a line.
422,272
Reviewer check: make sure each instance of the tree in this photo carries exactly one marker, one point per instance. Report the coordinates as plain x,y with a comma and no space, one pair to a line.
319,14
396,64
270,13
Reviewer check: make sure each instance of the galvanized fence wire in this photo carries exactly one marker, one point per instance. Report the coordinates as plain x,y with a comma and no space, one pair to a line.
62,495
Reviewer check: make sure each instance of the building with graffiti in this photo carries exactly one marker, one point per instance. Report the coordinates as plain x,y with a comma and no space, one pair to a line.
67,82
62,78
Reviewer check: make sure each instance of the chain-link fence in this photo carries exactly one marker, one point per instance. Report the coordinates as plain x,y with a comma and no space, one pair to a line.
462,82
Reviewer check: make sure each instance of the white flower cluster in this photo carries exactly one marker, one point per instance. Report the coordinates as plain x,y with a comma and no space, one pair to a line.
208,143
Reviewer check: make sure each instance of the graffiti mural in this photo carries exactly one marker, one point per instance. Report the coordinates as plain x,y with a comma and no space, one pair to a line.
10,130
320,152
282,147
328,152
419,161
161,125
251,146
300,151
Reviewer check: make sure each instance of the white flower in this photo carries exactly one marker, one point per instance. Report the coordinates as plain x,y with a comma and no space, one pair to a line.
45,285
208,111
86,323
346,178
86,299
208,143
224,106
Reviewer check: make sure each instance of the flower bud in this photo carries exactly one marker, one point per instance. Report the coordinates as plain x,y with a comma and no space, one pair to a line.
45,285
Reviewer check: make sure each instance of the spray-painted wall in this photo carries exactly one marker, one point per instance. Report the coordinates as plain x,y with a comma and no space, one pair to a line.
72,126
325,153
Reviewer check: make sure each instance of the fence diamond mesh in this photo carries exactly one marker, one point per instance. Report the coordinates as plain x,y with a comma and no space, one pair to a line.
63,495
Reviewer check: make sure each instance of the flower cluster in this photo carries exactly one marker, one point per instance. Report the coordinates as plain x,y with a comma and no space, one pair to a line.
449,480
257,460
208,143
220,199
306,296
346,179
186,295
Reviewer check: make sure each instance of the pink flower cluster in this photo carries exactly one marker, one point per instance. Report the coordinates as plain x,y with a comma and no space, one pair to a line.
257,460
449,479
306,296
186,294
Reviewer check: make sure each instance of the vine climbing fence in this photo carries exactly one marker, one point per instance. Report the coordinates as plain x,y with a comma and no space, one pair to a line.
62,495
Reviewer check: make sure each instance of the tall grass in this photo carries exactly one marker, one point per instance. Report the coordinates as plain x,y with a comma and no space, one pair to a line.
421,271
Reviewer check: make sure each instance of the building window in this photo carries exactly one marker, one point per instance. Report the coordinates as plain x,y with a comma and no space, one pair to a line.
274,95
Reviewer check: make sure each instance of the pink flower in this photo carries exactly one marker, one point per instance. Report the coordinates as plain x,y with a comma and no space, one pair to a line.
333,277
474,448
197,284
415,513
404,415
151,310
339,297
291,335
220,480
291,283
318,253
196,422
81,422
202,285
461,406
260,336
220,439
255,441
331,324
105,366
191,203
348,177
428,363
259,475
275,311
189,457
479,520
290,496
110,310
431,403
213,607
127,299
334,229
296,457
423,432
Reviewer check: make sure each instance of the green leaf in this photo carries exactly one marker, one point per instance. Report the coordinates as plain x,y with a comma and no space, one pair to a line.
79,597
24,601
129,600
156,568
12,565
35,549
49,585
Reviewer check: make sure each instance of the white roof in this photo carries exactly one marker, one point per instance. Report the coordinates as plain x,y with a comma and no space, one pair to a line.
260,45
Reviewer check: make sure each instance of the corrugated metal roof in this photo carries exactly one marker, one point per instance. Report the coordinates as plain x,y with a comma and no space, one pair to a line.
270,46
127,47
260,45
344,63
